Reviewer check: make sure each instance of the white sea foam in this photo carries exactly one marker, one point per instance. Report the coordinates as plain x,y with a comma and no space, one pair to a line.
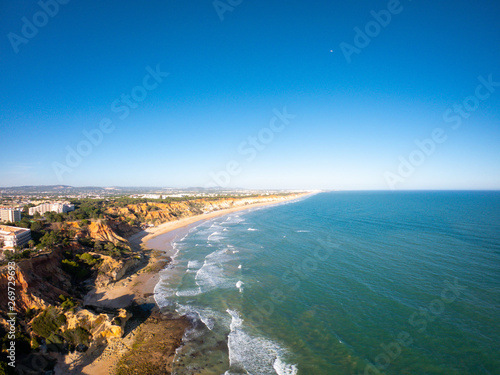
283,368
163,295
252,229
211,276
188,292
256,355
234,220
214,236
193,264
303,231
176,248
239,285
208,316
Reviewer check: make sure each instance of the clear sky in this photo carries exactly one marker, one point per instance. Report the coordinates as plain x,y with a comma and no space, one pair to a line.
259,94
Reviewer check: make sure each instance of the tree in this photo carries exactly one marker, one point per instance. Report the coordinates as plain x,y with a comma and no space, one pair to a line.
31,244
50,239
36,226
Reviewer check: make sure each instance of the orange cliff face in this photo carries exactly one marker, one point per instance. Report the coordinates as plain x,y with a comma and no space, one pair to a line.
39,282
155,212
101,232
98,231
158,213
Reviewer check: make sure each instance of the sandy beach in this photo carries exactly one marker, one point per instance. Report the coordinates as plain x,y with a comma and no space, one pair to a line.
138,287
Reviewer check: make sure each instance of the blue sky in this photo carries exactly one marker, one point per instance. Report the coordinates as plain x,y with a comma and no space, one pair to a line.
349,124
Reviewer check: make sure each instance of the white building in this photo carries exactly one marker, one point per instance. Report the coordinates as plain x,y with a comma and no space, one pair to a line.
9,214
14,236
151,196
57,207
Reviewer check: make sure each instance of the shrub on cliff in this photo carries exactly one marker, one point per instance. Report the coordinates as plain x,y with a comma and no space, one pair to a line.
77,270
88,259
77,336
67,303
48,322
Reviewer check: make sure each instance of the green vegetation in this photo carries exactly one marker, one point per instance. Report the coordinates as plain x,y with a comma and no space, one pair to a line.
48,322
47,325
77,270
55,342
110,249
51,239
76,336
88,259
67,303
87,209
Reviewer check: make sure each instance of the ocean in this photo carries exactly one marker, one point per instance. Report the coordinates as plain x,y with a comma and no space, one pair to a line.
342,283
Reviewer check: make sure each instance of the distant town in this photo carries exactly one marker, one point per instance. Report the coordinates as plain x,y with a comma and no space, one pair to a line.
29,204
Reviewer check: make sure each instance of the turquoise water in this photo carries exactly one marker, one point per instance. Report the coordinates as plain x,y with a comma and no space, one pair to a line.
343,283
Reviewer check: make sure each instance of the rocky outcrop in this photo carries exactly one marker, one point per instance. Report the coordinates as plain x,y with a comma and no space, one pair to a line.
101,232
98,231
111,270
103,327
39,282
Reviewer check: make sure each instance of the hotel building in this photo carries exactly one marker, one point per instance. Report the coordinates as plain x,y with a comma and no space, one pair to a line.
56,207
13,236
9,214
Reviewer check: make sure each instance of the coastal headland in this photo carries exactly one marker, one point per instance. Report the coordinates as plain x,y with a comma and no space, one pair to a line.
85,286
138,288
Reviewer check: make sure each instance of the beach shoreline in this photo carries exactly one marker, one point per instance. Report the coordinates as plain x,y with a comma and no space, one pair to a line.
138,287
199,219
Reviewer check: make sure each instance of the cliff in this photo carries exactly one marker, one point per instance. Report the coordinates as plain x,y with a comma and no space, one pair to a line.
102,327
111,270
158,213
97,230
39,282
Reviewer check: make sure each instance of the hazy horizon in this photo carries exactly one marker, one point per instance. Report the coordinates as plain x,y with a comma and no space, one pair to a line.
159,188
